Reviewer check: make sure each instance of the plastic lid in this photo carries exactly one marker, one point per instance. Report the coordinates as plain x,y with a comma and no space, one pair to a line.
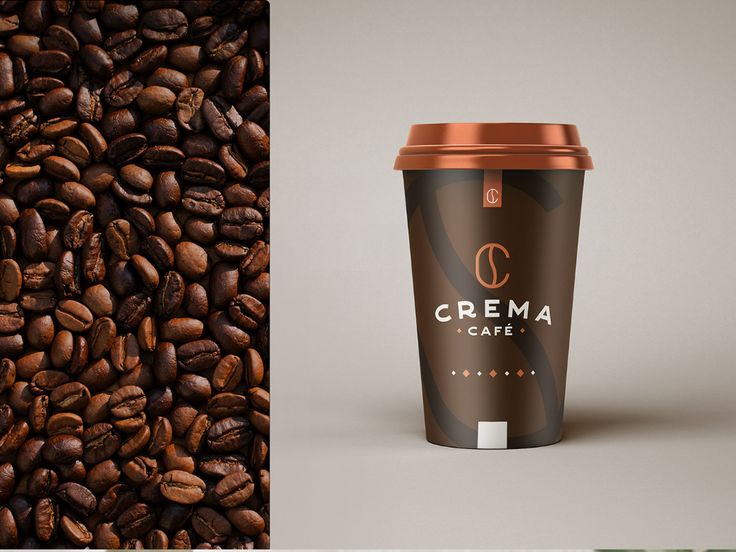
493,146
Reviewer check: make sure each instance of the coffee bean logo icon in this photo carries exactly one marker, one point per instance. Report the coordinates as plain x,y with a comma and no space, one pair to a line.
492,196
485,254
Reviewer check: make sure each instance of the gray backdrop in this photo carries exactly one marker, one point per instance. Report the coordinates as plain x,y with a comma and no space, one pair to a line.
648,455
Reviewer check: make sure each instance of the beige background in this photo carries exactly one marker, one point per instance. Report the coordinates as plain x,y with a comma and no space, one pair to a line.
648,458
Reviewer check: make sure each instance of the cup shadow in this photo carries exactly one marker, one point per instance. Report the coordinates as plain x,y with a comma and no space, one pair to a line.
591,422
585,422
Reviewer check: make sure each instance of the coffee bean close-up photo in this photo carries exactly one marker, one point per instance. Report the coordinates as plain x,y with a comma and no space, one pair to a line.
134,274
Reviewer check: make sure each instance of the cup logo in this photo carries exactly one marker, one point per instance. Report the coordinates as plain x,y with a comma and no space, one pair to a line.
492,196
492,188
485,255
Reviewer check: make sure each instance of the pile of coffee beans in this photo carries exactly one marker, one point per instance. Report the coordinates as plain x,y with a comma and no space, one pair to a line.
134,284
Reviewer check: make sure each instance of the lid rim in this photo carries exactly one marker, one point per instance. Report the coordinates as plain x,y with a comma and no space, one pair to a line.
493,146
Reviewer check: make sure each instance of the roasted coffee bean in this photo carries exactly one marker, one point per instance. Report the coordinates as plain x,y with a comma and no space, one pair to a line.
147,334
241,223
76,531
195,300
33,235
136,520
7,481
149,60
221,466
229,434
127,401
155,100
122,238
228,335
9,535
78,229
220,118
182,487
106,535
38,275
50,62
256,260
143,221
70,397
228,373
125,353
97,375
100,443
11,317
180,330
130,425
62,449
43,482
234,489
89,103
11,280
46,519
146,271
47,380
191,260
140,468
225,42
227,404
246,311
195,436
194,388
197,356
102,476
14,438
101,336
161,435
78,497
250,522
211,526
73,315
96,60
74,149
123,45
37,414
64,423
233,163
126,148
94,140
201,230
136,443
132,310
55,212
160,401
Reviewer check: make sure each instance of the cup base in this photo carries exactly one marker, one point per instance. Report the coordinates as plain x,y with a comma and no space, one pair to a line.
514,447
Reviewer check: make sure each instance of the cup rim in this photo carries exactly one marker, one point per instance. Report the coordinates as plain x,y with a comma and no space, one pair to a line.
495,145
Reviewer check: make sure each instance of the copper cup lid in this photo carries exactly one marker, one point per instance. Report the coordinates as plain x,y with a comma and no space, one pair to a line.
493,146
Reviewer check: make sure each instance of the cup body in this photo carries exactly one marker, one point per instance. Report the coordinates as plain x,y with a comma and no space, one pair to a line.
493,259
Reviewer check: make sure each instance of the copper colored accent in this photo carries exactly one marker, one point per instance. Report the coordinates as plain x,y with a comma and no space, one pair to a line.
493,146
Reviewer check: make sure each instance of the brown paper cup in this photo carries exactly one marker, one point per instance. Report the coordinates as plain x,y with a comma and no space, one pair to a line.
493,213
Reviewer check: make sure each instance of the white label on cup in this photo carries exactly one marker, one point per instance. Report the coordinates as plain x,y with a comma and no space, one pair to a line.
492,435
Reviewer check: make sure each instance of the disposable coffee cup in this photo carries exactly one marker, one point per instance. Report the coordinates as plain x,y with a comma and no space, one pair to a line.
493,211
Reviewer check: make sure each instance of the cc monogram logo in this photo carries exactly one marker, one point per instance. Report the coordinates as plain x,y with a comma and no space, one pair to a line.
485,254
492,196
